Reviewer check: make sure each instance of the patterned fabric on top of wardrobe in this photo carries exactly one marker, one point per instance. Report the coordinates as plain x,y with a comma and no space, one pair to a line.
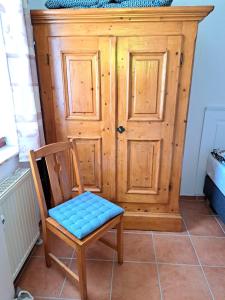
219,155
105,3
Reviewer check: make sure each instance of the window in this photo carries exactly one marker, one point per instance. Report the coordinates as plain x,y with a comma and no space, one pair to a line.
8,134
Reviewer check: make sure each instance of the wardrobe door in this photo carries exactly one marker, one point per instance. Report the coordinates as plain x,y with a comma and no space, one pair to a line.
148,76
81,75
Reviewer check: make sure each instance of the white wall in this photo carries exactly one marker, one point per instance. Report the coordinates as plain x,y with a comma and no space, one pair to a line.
37,4
207,84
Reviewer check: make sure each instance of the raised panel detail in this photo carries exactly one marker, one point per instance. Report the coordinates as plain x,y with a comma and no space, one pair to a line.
147,80
143,164
90,157
81,86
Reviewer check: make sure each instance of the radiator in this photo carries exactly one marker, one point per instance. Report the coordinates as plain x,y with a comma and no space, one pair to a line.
19,214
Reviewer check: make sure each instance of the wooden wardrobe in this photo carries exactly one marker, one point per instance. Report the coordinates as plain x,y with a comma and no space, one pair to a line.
118,80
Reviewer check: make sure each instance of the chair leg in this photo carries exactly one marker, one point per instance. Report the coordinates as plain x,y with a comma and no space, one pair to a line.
82,272
120,242
46,247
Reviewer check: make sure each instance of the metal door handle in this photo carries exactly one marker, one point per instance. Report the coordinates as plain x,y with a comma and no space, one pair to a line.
120,129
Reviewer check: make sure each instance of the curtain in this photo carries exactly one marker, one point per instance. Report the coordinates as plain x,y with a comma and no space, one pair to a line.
20,55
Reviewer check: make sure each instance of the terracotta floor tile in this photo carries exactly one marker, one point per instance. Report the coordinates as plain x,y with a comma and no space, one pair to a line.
98,281
174,249
98,250
138,247
216,279
40,280
57,247
211,251
202,225
138,281
135,281
183,283
199,207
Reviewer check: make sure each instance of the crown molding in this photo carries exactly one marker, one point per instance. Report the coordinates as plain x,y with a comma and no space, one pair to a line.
150,14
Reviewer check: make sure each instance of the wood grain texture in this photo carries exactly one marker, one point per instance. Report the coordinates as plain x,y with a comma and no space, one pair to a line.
156,221
82,112
81,85
121,67
146,99
145,149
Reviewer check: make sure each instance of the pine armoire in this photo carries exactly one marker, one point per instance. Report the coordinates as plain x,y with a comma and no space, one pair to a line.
118,80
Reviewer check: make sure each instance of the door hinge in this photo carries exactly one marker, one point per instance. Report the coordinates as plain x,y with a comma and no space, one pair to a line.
181,58
47,59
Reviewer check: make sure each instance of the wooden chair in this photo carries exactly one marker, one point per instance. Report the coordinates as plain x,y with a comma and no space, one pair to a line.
57,156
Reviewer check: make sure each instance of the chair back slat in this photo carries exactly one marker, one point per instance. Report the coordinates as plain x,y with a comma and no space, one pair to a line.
53,173
63,159
59,177
76,167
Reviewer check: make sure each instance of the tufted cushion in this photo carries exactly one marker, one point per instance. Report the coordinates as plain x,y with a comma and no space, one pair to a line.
84,213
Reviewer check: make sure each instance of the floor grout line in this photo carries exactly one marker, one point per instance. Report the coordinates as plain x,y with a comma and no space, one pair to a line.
112,274
207,236
60,257
189,234
64,281
140,262
140,233
148,262
154,263
169,234
218,222
157,268
178,264
97,259
203,272
62,287
214,266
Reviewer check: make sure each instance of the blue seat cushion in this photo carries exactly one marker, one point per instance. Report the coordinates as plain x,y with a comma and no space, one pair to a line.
84,213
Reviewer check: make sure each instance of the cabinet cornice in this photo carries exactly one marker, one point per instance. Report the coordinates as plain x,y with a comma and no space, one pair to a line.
156,14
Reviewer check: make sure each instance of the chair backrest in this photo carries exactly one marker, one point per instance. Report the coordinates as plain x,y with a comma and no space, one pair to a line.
62,161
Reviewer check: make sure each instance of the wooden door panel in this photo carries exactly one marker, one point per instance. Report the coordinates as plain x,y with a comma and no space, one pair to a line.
90,157
147,86
81,85
143,164
148,74
81,71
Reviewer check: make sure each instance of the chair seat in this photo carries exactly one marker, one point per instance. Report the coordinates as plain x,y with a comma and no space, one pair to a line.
84,213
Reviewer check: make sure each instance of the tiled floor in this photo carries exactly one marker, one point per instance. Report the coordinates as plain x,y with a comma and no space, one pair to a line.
158,266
